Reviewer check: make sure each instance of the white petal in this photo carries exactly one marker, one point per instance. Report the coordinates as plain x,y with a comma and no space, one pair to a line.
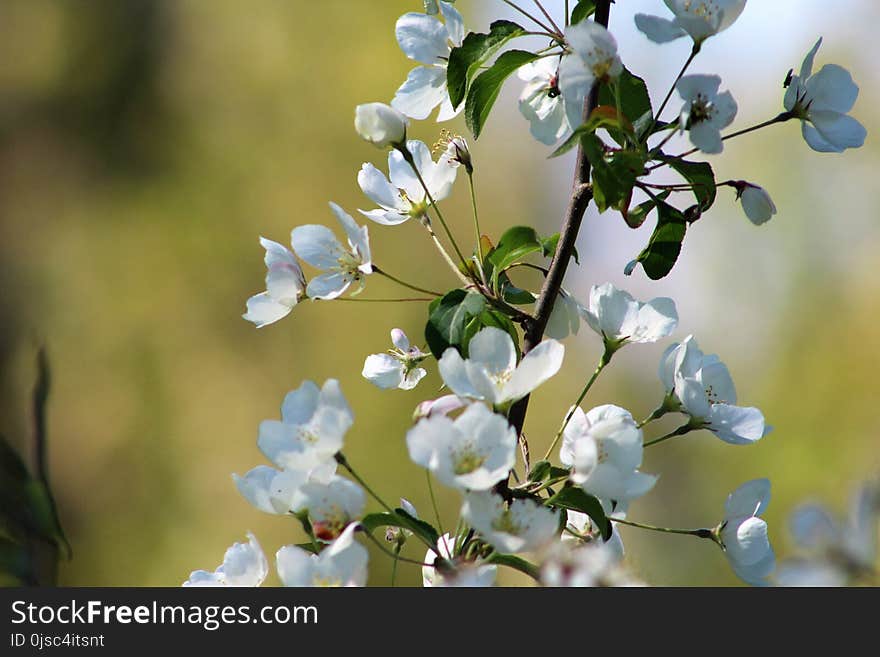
375,185
422,38
816,141
294,566
657,29
575,82
423,89
833,89
412,378
317,245
707,138
300,405
358,236
536,367
454,23
750,499
658,318
383,371
493,349
328,286
736,425
399,339
839,129
757,204
263,310
455,375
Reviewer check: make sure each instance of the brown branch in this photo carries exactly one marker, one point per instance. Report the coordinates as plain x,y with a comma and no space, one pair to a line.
581,195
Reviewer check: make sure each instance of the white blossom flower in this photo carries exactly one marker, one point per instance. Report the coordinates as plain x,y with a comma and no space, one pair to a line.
312,427
565,318
285,286
590,565
705,112
404,197
331,505
620,319
491,373
318,246
744,534
699,19
428,41
523,526
456,151
756,203
243,565
541,101
701,386
380,124
343,563
473,452
594,59
579,528
399,368
822,102
465,575
604,449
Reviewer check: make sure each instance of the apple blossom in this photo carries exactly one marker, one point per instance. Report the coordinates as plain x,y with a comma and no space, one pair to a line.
399,368
473,452
318,246
244,564
404,197
456,151
701,386
705,112
594,59
343,563
822,102
462,575
699,19
744,535
380,124
491,373
522,526
331,505
285,286
580,528
541,101
312,427
620,319
756,203
590,565
604,449
426,40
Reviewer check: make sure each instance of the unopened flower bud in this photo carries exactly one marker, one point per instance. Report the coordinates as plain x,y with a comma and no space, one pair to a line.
380,124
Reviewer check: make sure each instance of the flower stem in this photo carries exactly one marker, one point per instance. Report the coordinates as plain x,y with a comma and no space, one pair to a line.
682,430
603,362
434,502
409,160
699,533
694,53
531,17
780,118
547,16
476,218
388,552
384,300
415,288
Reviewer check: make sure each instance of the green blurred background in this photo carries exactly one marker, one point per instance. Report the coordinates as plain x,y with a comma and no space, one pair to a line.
144,147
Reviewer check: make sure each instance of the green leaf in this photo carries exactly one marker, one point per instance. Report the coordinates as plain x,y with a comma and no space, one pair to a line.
702,177
549,244
14,560
514,562
540,471
635,103
614,174
448,319
476,48
603,116
582,10
577,499
400,518
636,216
486,87
664,247
515,244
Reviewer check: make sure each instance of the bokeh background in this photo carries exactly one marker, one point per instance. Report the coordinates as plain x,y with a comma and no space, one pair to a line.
144,147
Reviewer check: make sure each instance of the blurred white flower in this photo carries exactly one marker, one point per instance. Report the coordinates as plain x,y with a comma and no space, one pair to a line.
699,19
822,102
275,491
428,41
491,373
541,101
705,112
590,565
565,318
604,449
399,368
620,319
243,565
744,534
463,575
343,563
404,197
312,427
523,526
473,452
380,124
285,286
331,505
318,246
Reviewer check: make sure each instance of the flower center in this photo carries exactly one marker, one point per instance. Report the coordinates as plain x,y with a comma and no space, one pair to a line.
713,396
467,459
507,524
326,582
500,378
308,435
333,521
348,263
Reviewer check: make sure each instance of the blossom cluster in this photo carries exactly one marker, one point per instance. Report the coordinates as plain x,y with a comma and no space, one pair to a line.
565,515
